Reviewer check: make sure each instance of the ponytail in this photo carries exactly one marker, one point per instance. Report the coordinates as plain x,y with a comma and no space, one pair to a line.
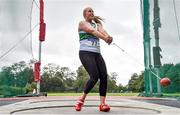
98,19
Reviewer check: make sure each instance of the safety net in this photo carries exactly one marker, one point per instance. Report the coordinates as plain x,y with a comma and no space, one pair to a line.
161,23
18,45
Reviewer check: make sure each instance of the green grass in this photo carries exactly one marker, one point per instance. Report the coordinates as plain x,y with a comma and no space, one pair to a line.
92,94
172,94
110,94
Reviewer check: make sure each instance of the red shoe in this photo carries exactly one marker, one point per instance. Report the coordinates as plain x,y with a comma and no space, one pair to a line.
104,107
79,104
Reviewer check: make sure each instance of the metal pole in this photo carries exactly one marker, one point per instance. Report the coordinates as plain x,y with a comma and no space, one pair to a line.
149,67
42,29
158,83
147,49
38,82
157,25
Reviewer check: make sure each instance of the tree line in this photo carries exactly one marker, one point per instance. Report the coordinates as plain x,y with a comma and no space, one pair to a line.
18,78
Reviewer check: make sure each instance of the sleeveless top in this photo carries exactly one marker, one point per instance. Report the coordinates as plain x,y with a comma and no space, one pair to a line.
89,42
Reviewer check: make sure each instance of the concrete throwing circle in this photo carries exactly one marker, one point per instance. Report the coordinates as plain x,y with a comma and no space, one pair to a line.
86,110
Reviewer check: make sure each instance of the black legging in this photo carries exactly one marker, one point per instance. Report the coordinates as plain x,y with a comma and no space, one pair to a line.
96,68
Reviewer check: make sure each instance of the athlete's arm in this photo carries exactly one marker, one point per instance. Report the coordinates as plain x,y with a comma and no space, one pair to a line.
101,30
89,29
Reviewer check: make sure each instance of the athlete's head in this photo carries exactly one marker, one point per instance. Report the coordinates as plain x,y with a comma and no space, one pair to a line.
88,14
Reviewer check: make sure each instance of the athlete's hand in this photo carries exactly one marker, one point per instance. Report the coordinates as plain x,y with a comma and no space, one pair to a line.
109,40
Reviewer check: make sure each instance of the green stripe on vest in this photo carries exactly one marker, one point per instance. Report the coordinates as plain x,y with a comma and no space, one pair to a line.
85,36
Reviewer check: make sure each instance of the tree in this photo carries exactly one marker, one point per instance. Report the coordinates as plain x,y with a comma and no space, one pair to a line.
68,77
52,79
14,78
173,73
17,74
120,88
131,83
81,79
112,78
165,69
7,76
136,83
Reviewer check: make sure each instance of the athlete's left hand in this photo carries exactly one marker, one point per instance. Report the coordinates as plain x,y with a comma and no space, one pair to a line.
109,41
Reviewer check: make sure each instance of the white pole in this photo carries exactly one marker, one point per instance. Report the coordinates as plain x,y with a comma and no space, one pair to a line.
38,82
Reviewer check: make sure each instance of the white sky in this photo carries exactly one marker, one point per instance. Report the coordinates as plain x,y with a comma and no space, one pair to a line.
122,21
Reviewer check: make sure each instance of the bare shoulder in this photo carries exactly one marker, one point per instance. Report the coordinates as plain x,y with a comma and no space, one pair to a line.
83,25
82,22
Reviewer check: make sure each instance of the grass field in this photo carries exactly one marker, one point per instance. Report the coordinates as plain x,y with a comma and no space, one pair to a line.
171,94
92,94
110,94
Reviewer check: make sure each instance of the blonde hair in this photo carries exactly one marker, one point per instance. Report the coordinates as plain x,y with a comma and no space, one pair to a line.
97,19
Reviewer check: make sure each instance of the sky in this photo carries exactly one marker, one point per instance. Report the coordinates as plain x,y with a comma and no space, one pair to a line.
122,21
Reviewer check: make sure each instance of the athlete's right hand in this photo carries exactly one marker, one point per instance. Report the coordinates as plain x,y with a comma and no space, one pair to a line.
109,40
